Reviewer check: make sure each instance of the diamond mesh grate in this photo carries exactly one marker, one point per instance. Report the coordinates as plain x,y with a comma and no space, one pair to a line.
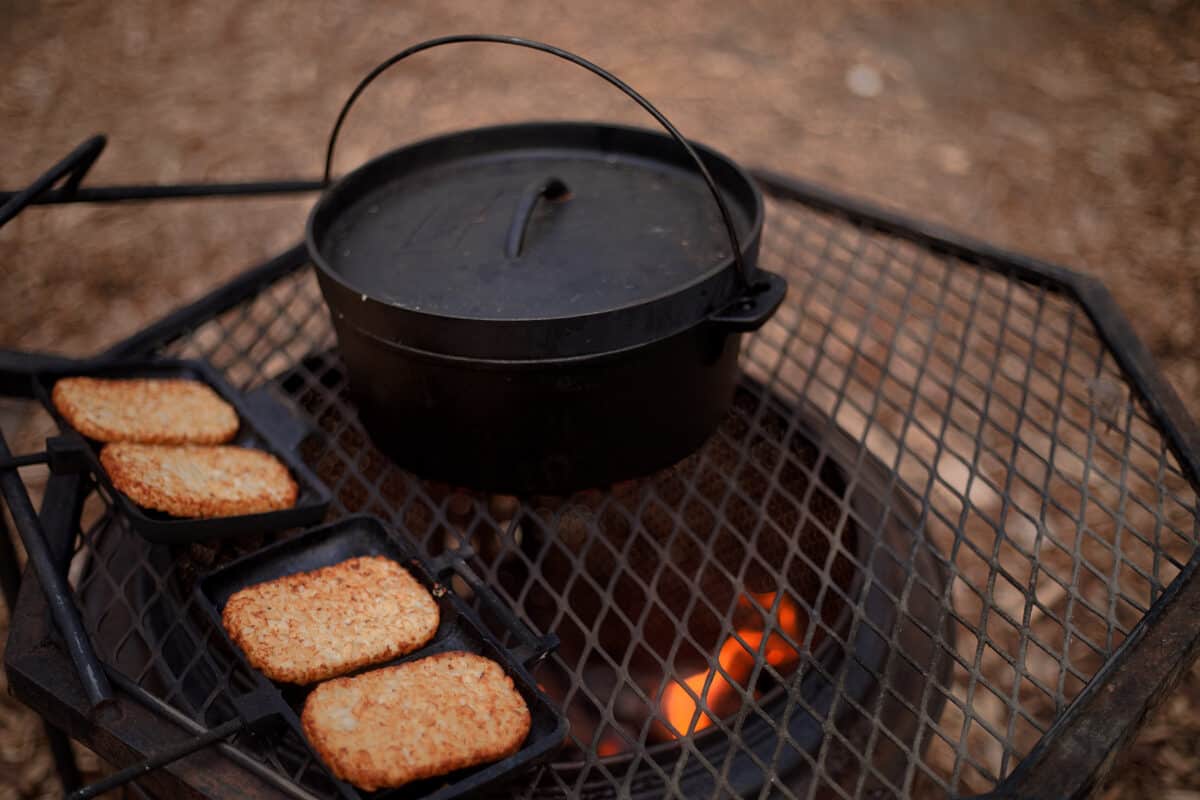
933,514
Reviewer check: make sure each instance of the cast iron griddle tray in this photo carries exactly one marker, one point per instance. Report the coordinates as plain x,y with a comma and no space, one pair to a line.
460,628
263,424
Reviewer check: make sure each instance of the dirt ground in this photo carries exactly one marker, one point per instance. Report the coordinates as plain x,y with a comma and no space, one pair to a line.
1068,131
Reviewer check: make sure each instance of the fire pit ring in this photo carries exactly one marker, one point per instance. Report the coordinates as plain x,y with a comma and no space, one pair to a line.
1053,471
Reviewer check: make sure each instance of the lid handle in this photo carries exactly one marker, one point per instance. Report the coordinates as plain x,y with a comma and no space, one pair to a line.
551,189
743,270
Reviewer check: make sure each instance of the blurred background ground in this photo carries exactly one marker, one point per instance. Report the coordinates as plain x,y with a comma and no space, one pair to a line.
1068,131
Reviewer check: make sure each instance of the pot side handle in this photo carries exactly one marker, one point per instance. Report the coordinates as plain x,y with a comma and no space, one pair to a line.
754,307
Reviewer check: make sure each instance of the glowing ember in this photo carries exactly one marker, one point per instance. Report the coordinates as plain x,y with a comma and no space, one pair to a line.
737,659
610,745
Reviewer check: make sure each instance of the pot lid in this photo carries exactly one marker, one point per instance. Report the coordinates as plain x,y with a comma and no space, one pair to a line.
590,237
505,225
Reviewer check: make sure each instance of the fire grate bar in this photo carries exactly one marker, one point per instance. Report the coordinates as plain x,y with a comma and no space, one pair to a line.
956,465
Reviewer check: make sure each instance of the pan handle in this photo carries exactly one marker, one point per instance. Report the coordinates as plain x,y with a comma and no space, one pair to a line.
18,368
54,584
163,757
743,270
529,648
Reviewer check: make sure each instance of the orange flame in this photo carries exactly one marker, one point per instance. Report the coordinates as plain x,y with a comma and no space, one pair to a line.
737,659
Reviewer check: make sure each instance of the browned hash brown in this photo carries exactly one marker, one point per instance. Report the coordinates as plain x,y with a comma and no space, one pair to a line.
427,717
315,625
147,410
198,480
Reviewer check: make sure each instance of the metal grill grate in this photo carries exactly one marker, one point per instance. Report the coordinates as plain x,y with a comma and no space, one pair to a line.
936,465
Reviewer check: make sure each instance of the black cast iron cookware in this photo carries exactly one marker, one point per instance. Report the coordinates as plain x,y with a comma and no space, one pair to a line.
541,307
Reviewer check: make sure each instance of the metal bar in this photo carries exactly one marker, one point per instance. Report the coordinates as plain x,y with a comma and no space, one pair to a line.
17,369
54,585
1162,403
163,757
10,573
935,237
224,297
64,757
75,165
157,705
27,460
178,191
1076,753
61,505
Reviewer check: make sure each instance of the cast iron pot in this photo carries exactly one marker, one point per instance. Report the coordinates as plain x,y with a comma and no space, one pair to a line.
541,307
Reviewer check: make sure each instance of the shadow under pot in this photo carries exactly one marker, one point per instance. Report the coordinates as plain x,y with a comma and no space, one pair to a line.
542,307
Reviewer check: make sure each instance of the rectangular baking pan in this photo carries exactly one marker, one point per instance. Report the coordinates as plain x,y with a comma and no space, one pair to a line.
460,628
264,425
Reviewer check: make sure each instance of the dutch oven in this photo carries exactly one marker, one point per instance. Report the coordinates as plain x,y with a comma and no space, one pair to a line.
541,307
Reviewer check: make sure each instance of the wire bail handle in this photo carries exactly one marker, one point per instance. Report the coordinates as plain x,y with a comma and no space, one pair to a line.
743,271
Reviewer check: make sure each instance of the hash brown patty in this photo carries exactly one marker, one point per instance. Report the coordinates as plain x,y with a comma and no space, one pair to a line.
427,717
199,480
147,410
310,626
